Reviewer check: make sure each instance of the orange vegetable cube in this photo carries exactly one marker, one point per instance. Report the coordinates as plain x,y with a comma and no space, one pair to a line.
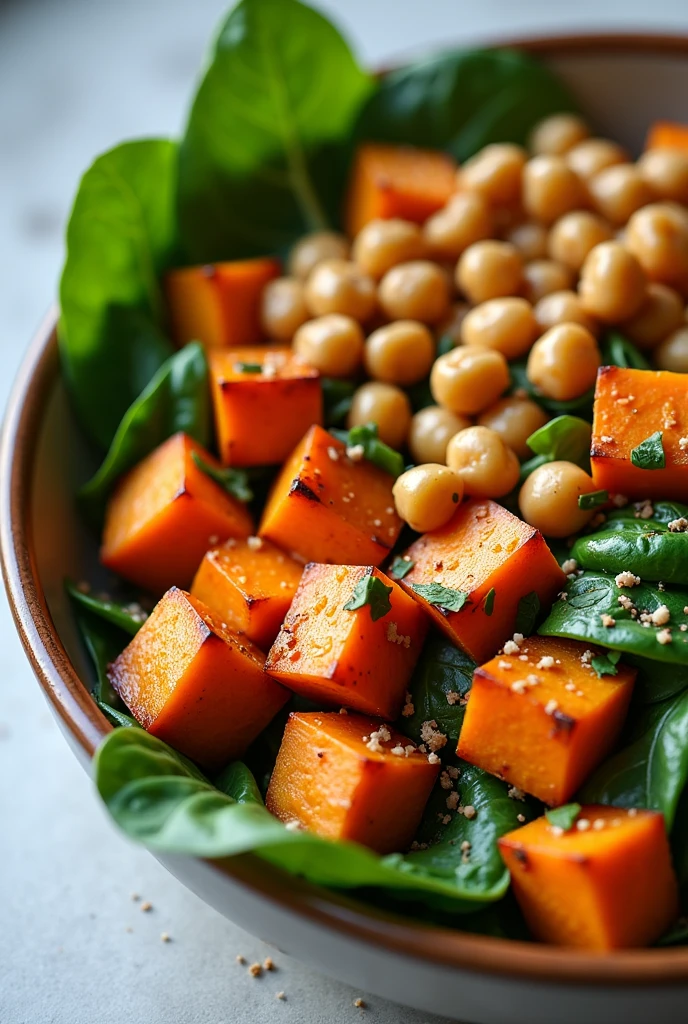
264,399
667,135
248,584
607,883
165,514
631,406
194,684
492,557
219,304
326,507
543,724
398,181
362,657
350,777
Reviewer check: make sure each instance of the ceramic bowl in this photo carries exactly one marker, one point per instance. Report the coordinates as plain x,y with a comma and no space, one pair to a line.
623,83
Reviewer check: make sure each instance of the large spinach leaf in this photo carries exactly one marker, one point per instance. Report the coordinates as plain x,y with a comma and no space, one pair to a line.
646,547
177,398
160,799
651,770
463,100
564,437
443,674
594,596
119,239
264,156
103,640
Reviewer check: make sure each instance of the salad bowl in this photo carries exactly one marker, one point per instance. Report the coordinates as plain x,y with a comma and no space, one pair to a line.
623,83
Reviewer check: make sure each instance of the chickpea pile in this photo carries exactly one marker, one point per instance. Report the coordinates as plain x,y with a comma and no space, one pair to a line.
536,253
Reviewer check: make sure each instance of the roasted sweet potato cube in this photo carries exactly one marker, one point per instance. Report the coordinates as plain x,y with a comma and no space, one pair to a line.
398,181
264,400
219,304
165,514
351,777
326,507
360,657
493,558
194,684
606,883
630,407
249,584
545,722
667,135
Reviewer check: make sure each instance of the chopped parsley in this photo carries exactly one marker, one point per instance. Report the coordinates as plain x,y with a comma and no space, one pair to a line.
563,817
233,481
374,450
593,499
248,368
605,664
650,453
400,567
371,591
527,613
441,597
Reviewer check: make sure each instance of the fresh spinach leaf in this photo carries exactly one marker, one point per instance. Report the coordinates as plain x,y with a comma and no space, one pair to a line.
159,798
371,591
651,769
527,613
563,817
605,664
619,351
264,156
176,399
566,437
654,683
400,567
441,681
374,450
462,100
592,600
129,616
120,238
649,454
233,481
103,641
337,398
120,719
444,598
488,604
593,499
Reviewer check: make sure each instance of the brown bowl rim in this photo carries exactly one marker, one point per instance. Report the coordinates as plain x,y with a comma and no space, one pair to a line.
85,725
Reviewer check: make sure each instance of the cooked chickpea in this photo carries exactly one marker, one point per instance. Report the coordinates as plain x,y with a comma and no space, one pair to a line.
591,156
332,344
666,172
548,499
338,286
551,188
464,220
658,236
507,325
283,308
672,354
418,290
530,238
386,405
468,379
574,235
563,363
542,277
427,496
495,173
612,284
557,134
489,270
430,431
400,353
514,419
618,191
487,466
382,244
452,323
313,249
563,308
660,314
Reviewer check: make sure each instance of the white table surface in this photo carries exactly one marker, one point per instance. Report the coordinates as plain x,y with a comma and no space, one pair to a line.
77,76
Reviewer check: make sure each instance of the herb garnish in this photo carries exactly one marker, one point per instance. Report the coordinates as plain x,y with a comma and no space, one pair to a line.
400,567
441,597
563,817
605,664
650,453
233,481
370,591
593,499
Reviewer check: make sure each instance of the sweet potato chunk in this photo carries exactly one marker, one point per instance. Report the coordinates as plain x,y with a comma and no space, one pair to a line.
492,557
195,684
667,135
630,407
361,658
264,400
398,181
219,304
324,507
605,884
248,584
165,514
350,777
543,724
